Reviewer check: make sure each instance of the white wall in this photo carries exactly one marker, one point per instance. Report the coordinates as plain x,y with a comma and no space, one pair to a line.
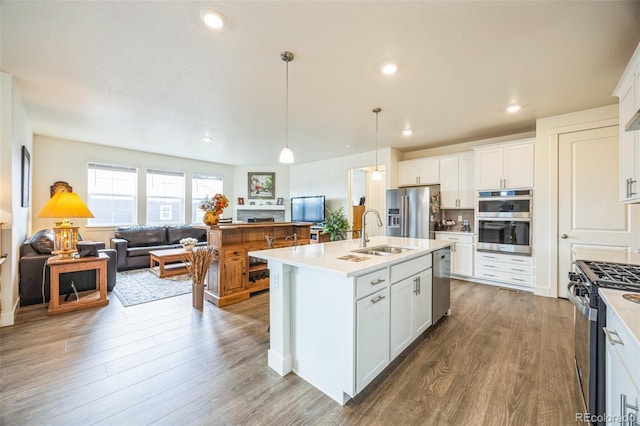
49,166
15,131
331,178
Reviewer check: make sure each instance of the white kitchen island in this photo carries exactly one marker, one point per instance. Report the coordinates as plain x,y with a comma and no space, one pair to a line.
338,318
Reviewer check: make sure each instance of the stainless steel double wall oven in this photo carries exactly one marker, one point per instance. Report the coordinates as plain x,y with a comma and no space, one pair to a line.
504,221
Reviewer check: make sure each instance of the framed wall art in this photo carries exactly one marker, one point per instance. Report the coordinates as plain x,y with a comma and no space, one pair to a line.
26,168
262,185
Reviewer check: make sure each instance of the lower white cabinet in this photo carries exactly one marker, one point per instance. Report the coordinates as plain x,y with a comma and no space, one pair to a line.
622,372
372,336
506,268
410,310
462,252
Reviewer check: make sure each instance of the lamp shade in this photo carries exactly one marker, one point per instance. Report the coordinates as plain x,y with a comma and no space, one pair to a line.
65,205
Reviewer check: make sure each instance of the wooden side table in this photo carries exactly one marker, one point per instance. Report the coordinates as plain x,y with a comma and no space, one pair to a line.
87,299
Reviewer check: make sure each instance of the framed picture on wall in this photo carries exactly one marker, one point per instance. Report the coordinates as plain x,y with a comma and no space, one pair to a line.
26,167
280,201
261,185
240,201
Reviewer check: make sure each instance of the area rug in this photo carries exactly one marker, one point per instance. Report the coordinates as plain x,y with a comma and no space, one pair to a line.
142,286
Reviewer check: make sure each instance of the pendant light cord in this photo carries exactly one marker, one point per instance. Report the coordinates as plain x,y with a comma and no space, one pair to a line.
377,111
286,120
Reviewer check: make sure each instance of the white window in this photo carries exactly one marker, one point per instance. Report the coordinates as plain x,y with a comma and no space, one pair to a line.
112,194
203,186
165,197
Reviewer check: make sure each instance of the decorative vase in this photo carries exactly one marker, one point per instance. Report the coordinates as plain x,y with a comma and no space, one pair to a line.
197,295
188,247
210,218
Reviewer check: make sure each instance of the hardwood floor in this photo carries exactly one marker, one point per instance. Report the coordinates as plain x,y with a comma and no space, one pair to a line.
501,358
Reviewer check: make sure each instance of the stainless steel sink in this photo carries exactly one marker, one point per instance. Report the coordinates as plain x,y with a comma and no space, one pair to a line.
385,250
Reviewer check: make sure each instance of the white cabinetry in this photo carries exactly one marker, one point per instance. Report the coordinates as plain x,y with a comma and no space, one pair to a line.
501,166
628,92
410,302
511,269
457,182
372,337
622,372
461,252
418,172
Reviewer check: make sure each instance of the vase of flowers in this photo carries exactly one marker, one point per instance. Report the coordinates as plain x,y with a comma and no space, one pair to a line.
213,208
198,262
188,243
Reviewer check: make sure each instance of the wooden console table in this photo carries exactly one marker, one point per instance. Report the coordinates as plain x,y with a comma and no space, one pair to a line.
234,275
87,299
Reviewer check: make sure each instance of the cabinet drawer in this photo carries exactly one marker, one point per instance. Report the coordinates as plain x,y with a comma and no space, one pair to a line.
493,275
460,238
516,260
410,267
371,282
506,267
629,350
233,252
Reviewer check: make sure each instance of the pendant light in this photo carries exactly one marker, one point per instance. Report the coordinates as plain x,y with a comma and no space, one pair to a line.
376,175
286,155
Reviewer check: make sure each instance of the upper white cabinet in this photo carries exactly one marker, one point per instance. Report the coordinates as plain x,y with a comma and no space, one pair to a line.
628,92
502,166
419,172
457,182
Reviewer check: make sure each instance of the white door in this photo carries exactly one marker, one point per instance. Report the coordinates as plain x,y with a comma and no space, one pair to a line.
518,166
466,181
400,332
592,223
372,342
449,183
422,301
489,168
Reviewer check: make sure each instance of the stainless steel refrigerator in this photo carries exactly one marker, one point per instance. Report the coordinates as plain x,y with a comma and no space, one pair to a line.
412,212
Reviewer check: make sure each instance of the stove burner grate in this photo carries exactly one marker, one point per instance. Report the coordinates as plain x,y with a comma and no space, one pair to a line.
618,276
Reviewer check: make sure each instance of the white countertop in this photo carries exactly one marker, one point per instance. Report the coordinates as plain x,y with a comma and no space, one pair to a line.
324,256
629,312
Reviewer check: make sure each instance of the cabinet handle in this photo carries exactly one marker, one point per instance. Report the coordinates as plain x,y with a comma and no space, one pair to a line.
489,266
627,193
415,286
631,182
377,299
489,275
609,334
419,288
631,419
518,270
378,281
516,260
517,279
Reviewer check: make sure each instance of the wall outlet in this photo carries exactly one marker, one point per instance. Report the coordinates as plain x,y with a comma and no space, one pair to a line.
459,218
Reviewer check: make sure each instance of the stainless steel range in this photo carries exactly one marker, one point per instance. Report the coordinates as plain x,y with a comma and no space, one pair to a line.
591,317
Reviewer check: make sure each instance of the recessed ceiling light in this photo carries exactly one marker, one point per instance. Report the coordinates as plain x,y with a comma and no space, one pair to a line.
212,19
407,132
207,139
513,108
389,68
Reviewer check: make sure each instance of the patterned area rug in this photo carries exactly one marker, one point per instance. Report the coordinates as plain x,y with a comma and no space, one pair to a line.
141,286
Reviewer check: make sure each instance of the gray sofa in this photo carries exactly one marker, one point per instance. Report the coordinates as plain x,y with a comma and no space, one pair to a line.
133,243
34,253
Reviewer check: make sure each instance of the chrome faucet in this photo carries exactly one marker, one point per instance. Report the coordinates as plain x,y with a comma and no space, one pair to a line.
363,232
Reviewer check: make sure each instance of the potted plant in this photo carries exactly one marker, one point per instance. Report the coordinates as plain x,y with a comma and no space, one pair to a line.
336,225
188,243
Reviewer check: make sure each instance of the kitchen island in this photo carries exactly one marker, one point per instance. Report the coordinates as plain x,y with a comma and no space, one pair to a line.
338,317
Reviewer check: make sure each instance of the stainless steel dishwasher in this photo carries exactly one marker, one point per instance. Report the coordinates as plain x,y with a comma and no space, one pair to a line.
441,287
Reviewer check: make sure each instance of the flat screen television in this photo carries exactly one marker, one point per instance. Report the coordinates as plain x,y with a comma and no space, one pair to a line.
307,209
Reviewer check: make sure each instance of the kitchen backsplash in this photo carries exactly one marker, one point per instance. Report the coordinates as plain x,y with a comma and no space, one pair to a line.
452,214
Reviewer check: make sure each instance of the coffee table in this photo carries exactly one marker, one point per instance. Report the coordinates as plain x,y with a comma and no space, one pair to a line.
164,259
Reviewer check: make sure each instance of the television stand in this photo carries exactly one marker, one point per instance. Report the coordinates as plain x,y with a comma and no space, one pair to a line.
317,236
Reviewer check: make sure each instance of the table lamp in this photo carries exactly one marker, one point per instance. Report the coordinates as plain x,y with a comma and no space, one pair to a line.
65,205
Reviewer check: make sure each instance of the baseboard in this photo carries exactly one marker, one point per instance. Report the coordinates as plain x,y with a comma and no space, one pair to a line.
497,284
8,318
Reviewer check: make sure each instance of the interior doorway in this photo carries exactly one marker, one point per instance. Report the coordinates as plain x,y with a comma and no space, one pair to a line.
374,192
592,223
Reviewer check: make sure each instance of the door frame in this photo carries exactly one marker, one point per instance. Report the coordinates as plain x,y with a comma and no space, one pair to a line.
546,216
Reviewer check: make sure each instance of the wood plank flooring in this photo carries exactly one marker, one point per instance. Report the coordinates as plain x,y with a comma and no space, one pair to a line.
501,358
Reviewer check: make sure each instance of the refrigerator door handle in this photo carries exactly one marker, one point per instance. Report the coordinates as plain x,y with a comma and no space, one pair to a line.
404,228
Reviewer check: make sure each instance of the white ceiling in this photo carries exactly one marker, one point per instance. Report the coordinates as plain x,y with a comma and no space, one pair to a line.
148,75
